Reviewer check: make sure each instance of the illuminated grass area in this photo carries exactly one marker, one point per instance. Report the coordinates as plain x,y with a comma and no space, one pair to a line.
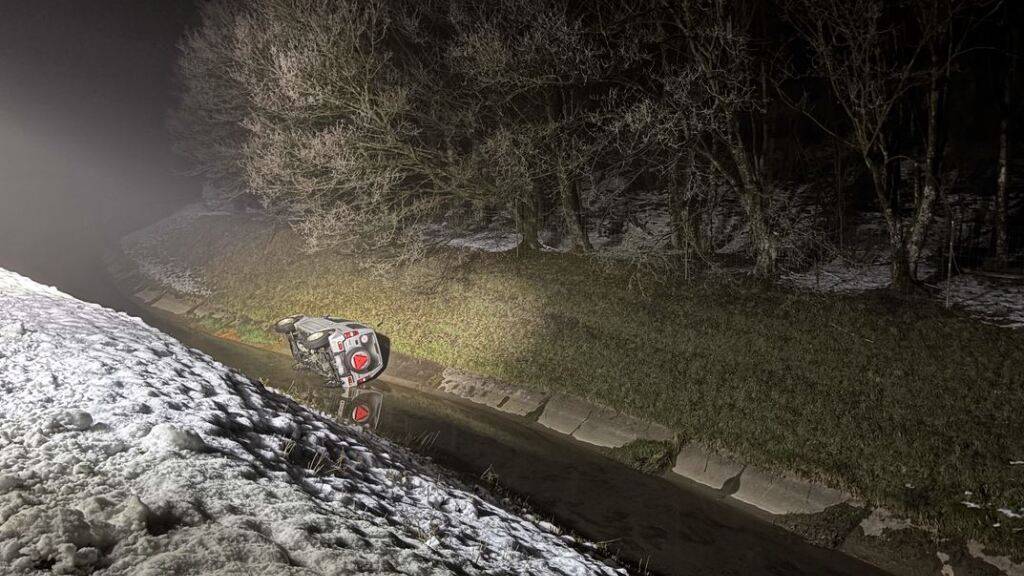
905,403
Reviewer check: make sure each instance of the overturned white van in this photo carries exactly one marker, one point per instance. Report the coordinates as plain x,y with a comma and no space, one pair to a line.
345,353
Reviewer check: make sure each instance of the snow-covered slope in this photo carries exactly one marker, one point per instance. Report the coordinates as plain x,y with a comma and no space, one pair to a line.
124,452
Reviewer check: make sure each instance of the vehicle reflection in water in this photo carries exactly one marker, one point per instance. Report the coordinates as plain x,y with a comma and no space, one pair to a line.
655,524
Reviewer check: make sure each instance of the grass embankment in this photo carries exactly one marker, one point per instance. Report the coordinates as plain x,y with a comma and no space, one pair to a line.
903,402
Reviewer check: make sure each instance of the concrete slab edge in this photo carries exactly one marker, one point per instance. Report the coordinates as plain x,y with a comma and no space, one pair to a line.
785,493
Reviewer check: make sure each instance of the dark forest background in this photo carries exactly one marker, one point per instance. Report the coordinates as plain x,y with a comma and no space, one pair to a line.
809,129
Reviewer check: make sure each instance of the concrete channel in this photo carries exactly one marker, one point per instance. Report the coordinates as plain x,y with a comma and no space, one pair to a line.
543,451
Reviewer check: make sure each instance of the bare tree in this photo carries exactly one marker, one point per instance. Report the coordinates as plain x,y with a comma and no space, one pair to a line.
718,92
527,66
645,146
338,103
1006,113
690,107
873,55
208,123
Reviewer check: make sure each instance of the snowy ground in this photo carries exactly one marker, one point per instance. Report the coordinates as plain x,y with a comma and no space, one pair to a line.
146,248
122,451
993,300
865,266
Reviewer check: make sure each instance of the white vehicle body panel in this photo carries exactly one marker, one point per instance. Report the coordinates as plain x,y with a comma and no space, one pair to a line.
353,348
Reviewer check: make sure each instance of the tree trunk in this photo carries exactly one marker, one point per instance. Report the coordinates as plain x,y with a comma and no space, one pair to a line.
766,249
687,224
902,278
1005,116
762,239
526,222
934,150
840,202
922,219
902,275
572,212
1002,239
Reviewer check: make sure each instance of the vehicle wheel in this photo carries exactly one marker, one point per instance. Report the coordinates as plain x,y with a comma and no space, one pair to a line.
324,363
294,347
318,339
286,325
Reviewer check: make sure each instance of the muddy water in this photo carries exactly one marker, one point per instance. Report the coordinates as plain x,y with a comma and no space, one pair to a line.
653,523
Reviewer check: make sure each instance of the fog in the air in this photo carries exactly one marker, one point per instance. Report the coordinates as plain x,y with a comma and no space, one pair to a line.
84,155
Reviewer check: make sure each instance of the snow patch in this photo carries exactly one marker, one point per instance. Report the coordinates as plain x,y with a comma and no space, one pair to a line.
165,437
841,277
880,521
129,453
146,247
992,300
1010,513
13,330
488,241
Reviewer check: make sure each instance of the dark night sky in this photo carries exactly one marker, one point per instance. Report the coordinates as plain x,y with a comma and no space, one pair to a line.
84,155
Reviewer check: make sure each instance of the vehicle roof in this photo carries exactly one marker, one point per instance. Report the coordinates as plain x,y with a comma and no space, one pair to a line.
310,324
315,323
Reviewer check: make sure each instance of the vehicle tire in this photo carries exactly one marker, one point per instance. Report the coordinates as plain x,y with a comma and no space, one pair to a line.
318,339
294,347
286,325
324,363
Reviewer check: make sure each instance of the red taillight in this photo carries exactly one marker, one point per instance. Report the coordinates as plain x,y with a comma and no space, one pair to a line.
360,360
361,413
